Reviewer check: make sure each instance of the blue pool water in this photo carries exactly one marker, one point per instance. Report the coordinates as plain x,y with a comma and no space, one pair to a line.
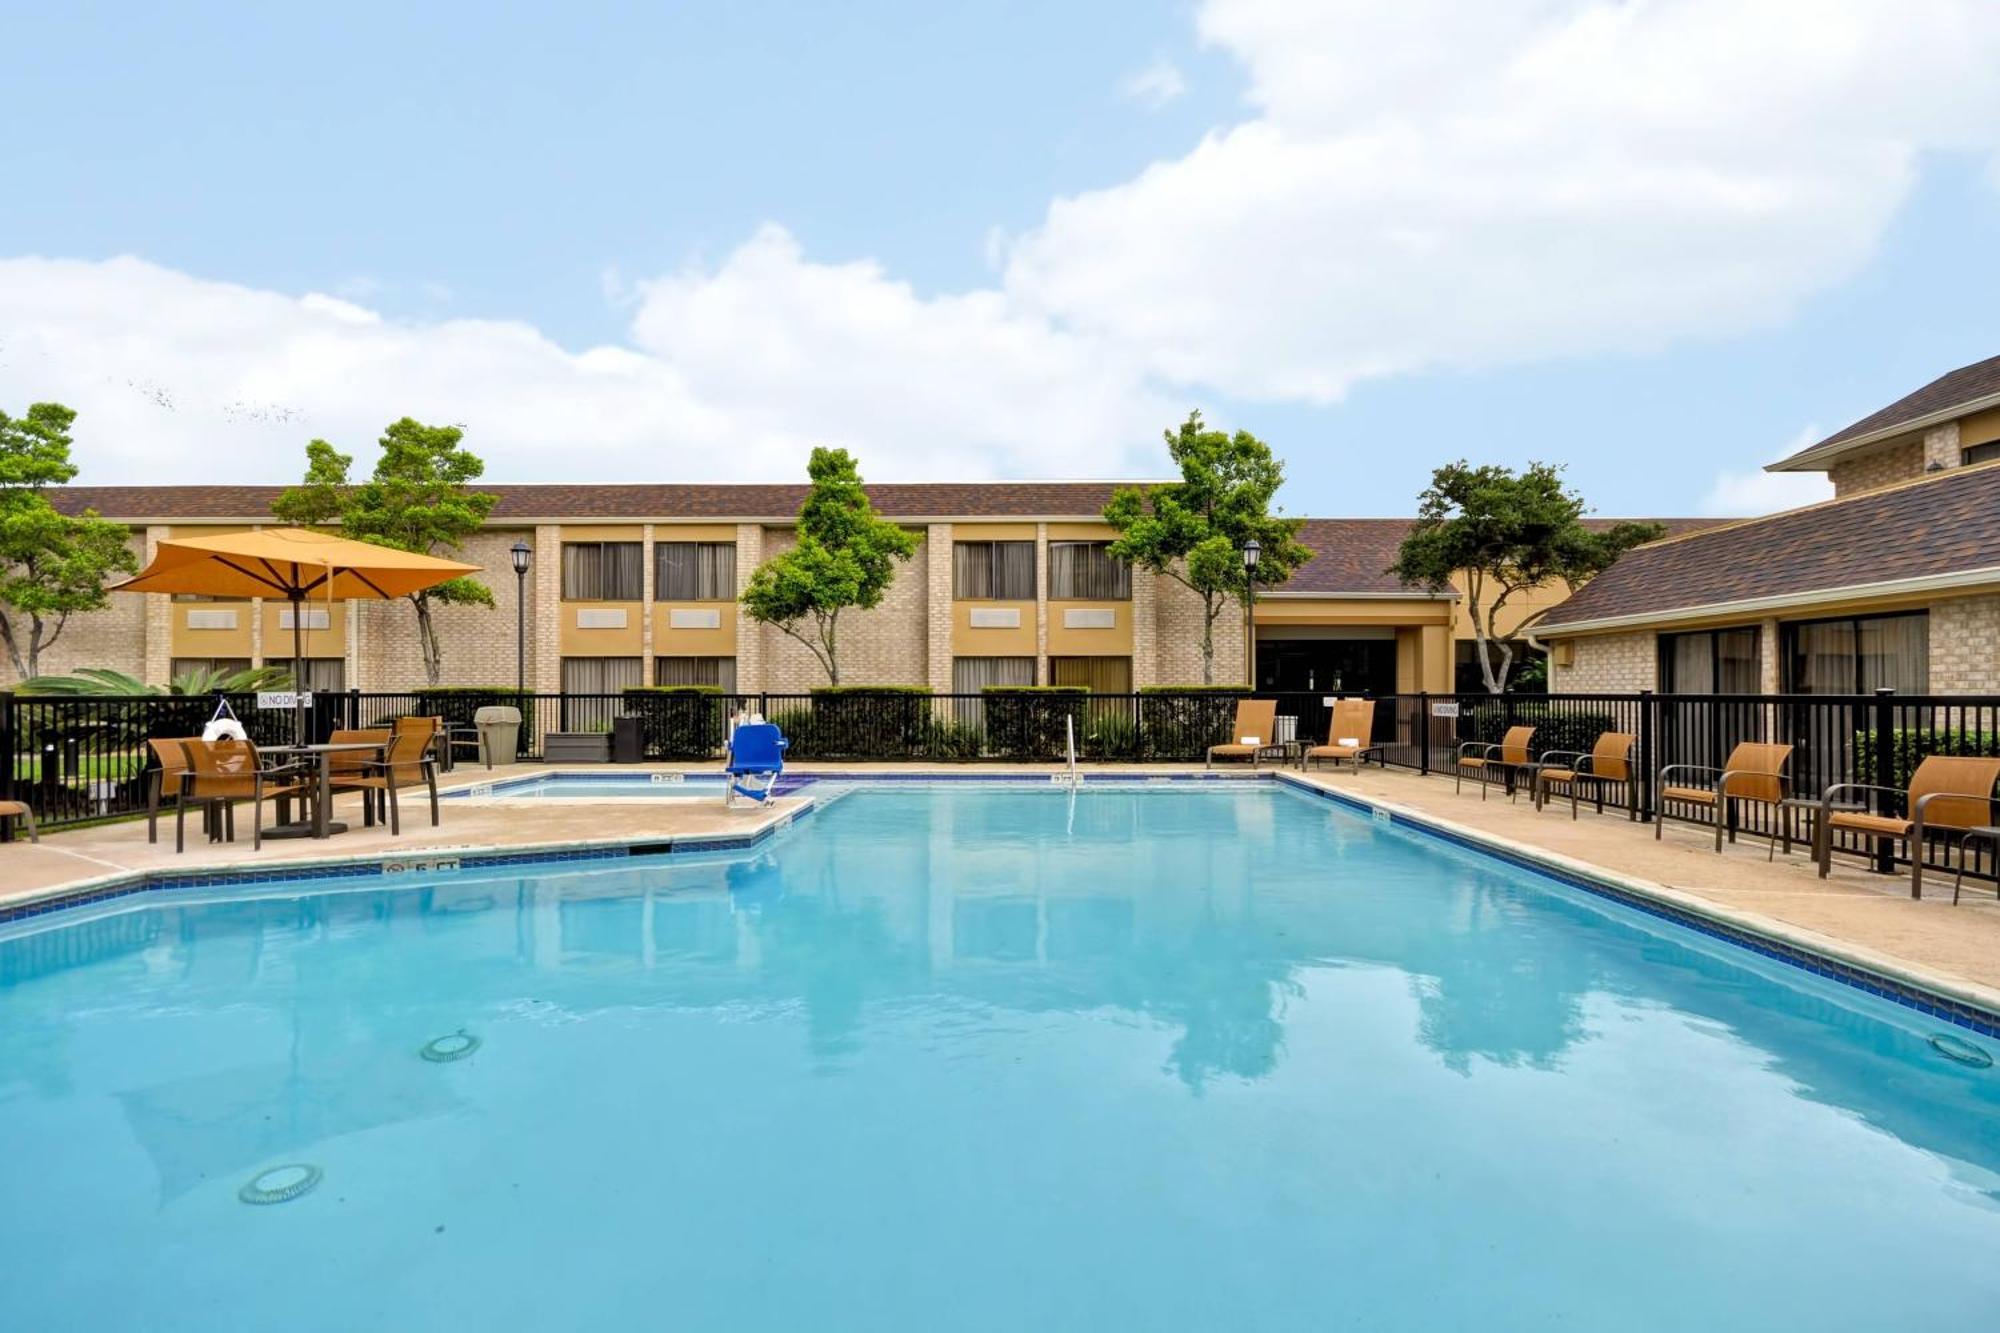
1193,1058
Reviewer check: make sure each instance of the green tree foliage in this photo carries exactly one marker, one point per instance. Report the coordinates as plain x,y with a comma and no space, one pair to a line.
1194,530
195,681
52,565
420,499
846,557
1505,534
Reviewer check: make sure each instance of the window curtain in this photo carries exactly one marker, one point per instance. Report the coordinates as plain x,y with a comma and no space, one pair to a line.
970,675
694,571
1895,654
717,671
1736,662
1691,663
1099,675
1003,571
1087,572
600,675
326,674
180,666
601,571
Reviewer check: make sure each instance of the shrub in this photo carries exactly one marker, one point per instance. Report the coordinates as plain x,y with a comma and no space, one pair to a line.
1908,747
1179,723
955,741
1554,730
1112,736
862,722
456,704
1026,722
1194,689
679,721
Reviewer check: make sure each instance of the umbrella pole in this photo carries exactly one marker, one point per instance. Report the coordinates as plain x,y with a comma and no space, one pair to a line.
298,670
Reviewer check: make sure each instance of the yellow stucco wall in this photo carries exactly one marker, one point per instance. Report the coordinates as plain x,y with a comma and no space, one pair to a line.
1113,642
626,642
988,641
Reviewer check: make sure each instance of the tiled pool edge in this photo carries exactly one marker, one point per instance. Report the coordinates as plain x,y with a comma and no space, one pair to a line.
1937,997
124,884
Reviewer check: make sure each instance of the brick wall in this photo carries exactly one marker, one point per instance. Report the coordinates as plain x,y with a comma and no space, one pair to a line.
1878,467
114,637
885,646
1177,618
1609,664
1965,646
477,642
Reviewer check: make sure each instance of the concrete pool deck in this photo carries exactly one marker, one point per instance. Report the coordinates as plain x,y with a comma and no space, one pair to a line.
1867,917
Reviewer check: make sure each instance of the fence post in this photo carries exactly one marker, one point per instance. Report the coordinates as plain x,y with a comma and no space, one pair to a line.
1424,733
9,739
1883,725
1649,760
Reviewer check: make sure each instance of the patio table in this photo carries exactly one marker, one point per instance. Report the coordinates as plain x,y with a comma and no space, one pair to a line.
320,825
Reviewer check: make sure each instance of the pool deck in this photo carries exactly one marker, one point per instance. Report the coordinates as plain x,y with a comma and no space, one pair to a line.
1866,917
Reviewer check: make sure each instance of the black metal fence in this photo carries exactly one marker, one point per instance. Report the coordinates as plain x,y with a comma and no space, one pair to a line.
80,759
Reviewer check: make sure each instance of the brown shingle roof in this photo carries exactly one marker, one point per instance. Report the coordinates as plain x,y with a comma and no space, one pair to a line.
1004,499
1946,523
1967,384
1353,554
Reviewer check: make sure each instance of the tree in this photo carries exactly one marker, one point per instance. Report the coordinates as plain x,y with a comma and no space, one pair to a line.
1505,534
1194,530
846,556
419,499
52,565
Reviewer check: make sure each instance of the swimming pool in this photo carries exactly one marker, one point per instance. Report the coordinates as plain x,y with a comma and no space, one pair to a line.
1204,1056
590,787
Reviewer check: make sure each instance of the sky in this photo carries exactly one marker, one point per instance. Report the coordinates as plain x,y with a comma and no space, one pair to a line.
1660,242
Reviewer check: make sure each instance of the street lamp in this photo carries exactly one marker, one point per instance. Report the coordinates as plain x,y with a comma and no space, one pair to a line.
521,555
1251,550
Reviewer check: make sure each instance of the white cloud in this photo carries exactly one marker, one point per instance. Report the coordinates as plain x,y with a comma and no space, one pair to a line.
1737,494
1156,85
732,373
1440,184
1428,184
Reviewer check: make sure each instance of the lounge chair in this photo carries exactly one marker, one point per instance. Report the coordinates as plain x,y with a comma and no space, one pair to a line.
1754,772
756,750
19,810
1350,735
1609,764
1252,734
1948,794
165,782
222,772
408,763
1486,759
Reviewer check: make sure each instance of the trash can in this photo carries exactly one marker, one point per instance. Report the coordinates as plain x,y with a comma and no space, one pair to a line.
628,740
499,733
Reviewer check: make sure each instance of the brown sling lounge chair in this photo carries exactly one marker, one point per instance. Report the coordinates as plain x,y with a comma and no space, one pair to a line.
1485,760
227,771
1256,719
1609,764
408,764
1754,772
1948,794
1350,735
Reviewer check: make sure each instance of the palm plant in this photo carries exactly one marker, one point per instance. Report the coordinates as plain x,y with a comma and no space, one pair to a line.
100,682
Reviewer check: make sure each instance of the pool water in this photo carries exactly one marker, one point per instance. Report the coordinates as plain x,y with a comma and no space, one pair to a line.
1190,1058
706,787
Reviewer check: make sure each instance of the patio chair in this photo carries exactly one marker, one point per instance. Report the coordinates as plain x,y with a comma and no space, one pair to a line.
409,763
437,740
756,750
1251,735
1608,764
222,772
350,763
19,810
1948,794
165,782
1754,772
1486,760
1350,735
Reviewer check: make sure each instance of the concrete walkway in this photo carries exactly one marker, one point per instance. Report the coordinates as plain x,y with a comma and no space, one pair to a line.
1872,915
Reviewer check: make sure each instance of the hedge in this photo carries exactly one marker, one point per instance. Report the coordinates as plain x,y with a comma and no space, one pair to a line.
1908,748
679,721
1027,722
860,722
1560,731
457,703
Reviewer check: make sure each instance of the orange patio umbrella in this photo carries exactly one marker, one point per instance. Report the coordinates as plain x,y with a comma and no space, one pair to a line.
296,564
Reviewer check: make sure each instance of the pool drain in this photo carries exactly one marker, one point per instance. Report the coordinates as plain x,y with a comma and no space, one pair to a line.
280,1184
1964,1052
453,1046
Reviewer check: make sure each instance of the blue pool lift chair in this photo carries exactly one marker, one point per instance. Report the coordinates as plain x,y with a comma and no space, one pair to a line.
756,751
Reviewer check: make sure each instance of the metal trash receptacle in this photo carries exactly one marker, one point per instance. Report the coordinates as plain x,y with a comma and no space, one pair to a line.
628,740
499,733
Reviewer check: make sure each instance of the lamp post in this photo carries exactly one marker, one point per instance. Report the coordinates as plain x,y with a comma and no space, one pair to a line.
521,555
1251,550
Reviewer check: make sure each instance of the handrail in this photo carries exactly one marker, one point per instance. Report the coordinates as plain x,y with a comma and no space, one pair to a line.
1069,739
